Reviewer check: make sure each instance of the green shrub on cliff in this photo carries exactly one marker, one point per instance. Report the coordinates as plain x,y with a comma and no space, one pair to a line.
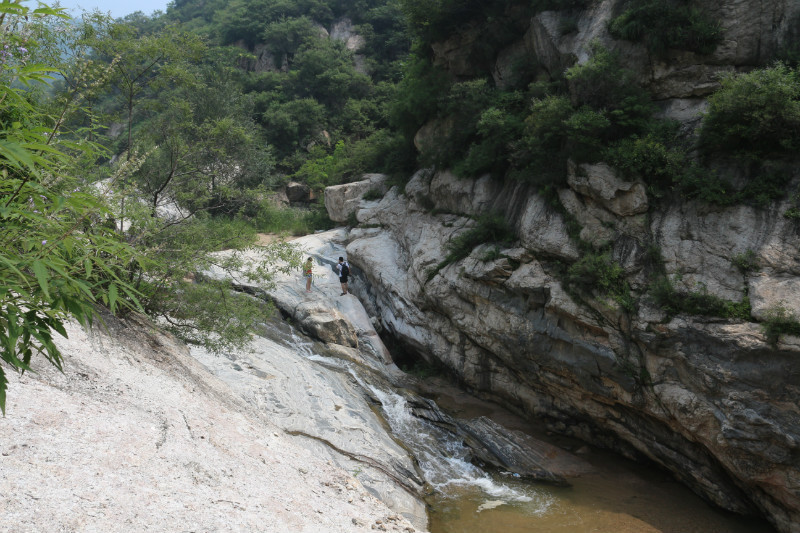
418,93
604,104
542,153
665,24
756,113
701,303
598,274
459,110
660,158
779,321
649,158
604,84
497,129
488,228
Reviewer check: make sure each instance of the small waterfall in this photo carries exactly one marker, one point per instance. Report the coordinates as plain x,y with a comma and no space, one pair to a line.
442,457
302,346
444,460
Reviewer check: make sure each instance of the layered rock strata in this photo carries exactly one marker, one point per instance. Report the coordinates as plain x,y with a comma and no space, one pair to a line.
708,399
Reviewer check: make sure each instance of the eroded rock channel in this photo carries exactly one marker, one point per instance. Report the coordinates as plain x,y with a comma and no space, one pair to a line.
343,393
710,400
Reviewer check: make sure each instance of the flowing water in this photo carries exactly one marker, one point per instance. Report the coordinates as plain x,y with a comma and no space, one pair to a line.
445,461
616,497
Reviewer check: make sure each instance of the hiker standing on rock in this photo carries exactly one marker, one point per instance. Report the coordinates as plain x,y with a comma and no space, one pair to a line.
344,271
308,272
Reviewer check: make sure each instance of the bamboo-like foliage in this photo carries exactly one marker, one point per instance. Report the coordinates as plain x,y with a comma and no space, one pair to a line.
59,255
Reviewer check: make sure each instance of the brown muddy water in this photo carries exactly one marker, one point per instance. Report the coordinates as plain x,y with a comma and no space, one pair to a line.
618,496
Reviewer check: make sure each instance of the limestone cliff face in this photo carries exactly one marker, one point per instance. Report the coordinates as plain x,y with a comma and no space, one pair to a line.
752,33
709,399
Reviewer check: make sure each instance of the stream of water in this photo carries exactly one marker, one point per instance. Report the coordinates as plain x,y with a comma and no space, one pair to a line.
618,496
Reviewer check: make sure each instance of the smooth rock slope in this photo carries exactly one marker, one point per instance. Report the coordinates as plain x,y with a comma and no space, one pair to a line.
136,435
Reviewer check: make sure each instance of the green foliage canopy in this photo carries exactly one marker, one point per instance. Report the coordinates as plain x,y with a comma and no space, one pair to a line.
59,255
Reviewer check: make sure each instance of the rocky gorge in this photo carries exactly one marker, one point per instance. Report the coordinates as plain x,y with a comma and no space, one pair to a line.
557,317
712,400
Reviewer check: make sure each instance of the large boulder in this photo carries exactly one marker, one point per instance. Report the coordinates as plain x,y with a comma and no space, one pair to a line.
325,323
601,183
604,205
342,201
298,192
471,197
543,230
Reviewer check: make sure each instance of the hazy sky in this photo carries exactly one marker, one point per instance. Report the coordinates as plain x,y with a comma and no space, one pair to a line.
118,8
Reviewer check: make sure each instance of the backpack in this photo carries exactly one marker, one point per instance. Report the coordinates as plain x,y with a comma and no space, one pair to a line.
345,269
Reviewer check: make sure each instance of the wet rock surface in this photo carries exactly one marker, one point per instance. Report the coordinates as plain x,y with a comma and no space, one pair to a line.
320,403
300,394
517,453
511,452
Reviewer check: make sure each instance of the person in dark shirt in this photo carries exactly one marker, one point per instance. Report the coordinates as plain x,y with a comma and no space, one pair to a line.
344,272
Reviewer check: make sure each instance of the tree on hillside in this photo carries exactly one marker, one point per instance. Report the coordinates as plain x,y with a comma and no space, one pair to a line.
60,252
143,63
203,148
286,35
147,62
245,20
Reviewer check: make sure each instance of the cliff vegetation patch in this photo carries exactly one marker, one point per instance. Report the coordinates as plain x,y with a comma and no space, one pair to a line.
662,25
698,303
755,113
779,321
598,274
491,228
